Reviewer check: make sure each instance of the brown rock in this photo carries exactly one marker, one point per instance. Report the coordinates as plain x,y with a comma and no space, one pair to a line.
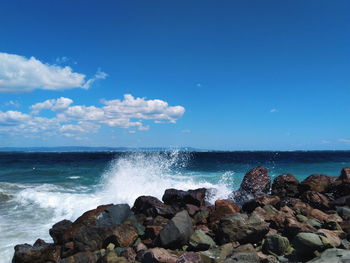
178,198
40,252
223,208
285,185
334,236
162,255
129,254
344,175
122,236
260,202
256,182
151,206
86,257
316,200
316,182
189,257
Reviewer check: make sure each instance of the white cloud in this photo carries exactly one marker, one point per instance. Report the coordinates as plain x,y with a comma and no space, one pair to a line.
325,142
344,140
73,120
186,131
53,105
273,110
13,103
21,74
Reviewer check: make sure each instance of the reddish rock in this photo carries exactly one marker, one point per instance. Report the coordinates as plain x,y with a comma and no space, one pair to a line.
57,231
260,202
316,200
316,182
334,236
161,255
189,257
129,254
40,252
86,257
256,182
285,185
121,236
223,208
151,206
178,198
191,209
151,232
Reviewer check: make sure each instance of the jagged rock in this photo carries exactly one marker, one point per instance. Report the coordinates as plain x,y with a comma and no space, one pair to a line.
40,252
334,236
342,201
285,185
189,257
57,231
316,182
179,198
152,206
316,200
223,208
332,255
276,245
256,182
241,228
121,236
177,232
199,241
306,244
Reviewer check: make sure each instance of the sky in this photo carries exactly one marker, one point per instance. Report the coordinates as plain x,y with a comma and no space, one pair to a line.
223,75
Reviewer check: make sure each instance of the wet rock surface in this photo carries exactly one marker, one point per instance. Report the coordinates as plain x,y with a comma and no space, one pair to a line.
296,222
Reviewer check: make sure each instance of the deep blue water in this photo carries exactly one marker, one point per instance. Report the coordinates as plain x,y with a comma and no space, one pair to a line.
39,189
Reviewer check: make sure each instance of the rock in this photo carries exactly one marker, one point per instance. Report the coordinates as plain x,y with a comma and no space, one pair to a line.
86,257
159,255
316,200
179,198
344,175
189,257
332,255
245,254
39,253
342,201
223,208
114,215
177,232
256,182
260,202
121,236
316,182
199,241
152,232
57,231
191,209
285,185
151,206
241,228
338,189
306,244
201,217
112,257
334,236
276,245
344,212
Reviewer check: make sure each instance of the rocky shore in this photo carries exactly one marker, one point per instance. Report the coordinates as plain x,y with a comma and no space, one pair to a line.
280,221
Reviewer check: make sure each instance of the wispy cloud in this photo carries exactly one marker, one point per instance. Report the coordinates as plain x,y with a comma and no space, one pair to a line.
13,103
186,131
344,140
75,120
20,74
325,142
273,110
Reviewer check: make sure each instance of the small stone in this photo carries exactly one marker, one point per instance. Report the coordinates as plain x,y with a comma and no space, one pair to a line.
276,245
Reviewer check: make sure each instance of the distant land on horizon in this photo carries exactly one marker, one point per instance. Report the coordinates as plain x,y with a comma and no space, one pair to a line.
126,149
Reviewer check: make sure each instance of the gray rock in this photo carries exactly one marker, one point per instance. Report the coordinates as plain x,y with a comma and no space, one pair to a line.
199,241
276,245
344,212
189,257
113,215
241,228
306,244
177,232
332,255
244,254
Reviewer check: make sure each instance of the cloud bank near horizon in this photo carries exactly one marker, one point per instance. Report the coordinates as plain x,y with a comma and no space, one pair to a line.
75,120
19,74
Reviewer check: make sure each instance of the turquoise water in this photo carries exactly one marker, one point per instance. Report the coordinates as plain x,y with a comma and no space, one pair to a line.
39,189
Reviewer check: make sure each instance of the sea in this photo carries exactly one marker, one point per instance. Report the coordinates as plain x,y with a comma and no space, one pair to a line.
38,189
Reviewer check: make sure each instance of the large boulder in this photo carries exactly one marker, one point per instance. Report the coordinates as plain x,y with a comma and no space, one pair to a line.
152,206
57,231
177,232
179,199
285,185
121,236
316,182
241,228
223,208
256,182
40,252
306,244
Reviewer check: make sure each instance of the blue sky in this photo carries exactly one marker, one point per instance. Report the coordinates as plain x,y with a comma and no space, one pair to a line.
228,75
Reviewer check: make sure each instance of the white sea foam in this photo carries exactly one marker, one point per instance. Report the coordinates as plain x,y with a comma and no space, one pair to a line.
36,208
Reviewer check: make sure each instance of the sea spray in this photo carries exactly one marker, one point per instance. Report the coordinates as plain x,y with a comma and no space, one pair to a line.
34,208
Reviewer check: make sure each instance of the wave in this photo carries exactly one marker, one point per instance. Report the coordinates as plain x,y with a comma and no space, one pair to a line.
35,208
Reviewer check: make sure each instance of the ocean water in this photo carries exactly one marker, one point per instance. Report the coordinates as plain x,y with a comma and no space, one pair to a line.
40,189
